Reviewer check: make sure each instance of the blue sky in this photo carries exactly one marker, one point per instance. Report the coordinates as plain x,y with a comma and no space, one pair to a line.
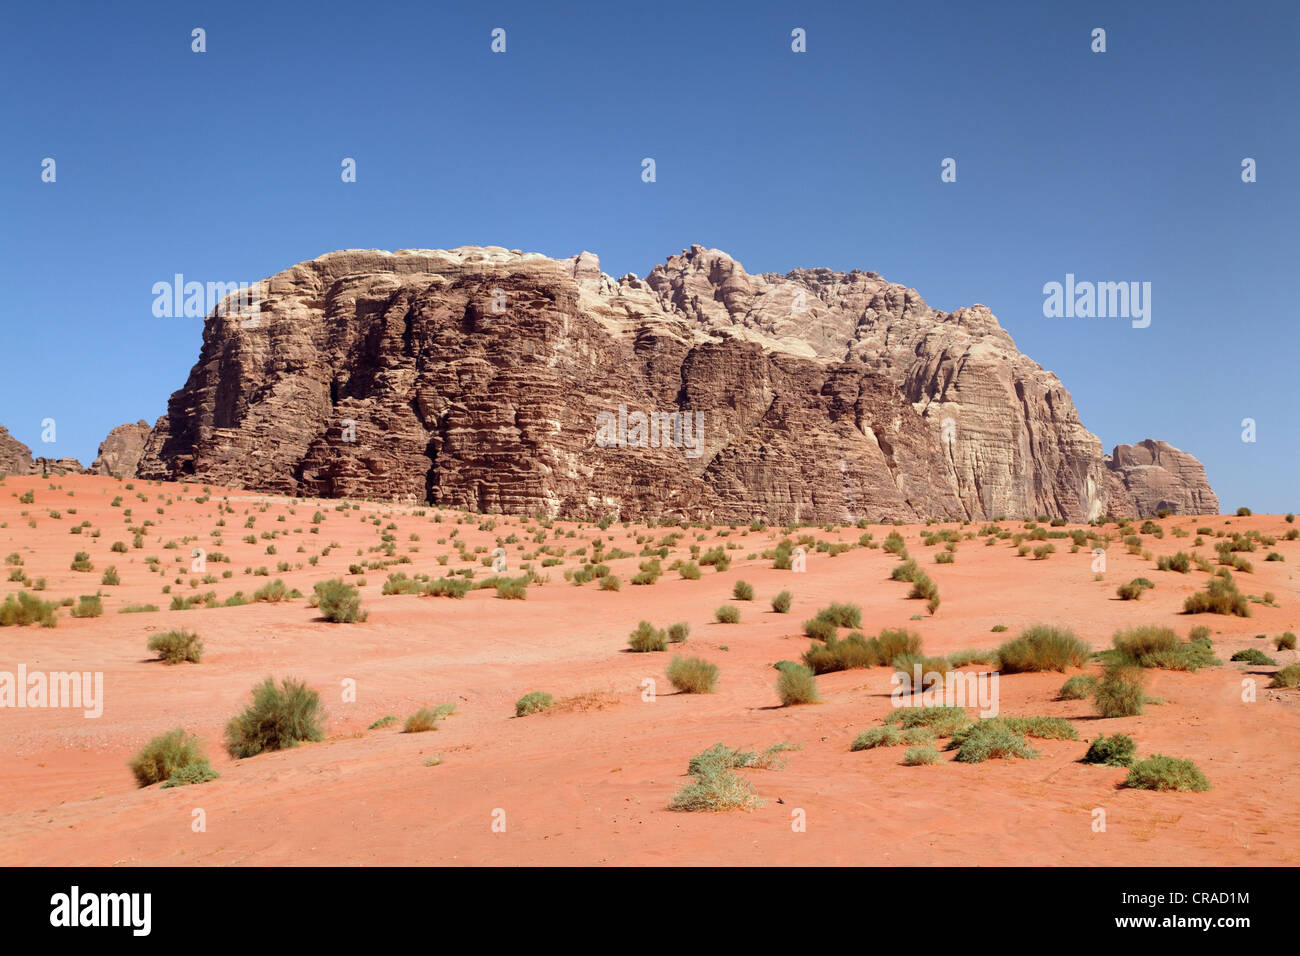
1115,166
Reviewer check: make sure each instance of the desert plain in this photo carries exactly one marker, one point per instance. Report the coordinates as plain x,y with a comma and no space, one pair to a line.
590,780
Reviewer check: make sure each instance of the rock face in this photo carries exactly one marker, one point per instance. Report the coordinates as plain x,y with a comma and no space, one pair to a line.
15,457
1154,476
501,381
58,466
119,453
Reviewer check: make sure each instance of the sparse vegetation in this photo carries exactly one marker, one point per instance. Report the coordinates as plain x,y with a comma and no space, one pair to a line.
177,647
533,703
1115,751
647,638
693,675
170,754
278,718
1159,772
1042,648
797,685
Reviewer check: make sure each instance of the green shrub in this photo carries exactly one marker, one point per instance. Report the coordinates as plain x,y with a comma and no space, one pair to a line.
727,614
110,577
836,655
742,591
1116,751
819,630
1284,642
943,721
272,592
382,722
278,718
81,562
690,571
943,557
88,605
1159,772
886,736
693,675
177,647
166,754
1180,562
1220,597
716,789
1153,646
841,615
988,740
679,632
339,602
971,656
1288,676
920,756
190,774
797,685
907,571
1079,687
781,603
448,587
647,638
533,703
1121,691
893,643
1133,590
1252,655
610,583
1042,648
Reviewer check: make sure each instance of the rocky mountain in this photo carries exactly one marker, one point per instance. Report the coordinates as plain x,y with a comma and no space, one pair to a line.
503,381
120,452
15,457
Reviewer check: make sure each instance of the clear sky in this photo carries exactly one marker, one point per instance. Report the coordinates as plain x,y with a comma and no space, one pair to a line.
1115,166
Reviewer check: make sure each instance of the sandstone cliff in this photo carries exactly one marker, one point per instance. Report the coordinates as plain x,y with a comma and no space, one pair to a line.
509,382
15,457
120,452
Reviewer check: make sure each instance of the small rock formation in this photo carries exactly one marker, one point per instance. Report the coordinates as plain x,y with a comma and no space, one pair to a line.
1154,476
120,451
15,457
502,381
57,466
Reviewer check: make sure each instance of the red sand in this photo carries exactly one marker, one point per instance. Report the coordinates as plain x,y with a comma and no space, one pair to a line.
591,785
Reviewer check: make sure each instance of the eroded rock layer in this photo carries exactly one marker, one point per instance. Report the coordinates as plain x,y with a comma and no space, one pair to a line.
509,382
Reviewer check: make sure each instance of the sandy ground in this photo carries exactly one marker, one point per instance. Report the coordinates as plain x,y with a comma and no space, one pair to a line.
589,783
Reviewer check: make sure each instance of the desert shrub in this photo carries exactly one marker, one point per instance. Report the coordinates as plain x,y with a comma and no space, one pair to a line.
1284,642
998,628
797,685
190,774
727,614
177,647
819,630
907,663
677,633
690,571
742,591
1288,676
339,601
110,577
971,656
1180,562
399,583
382,722
722,757
533,703
1152,646
166,754
272,592
1115,751
781,603
923,587
716,789
1045,728
278,718
693,675
512,589
647,638
886,736
907,571
1159,772
893,643
1043,550
944,557
88,605
1253,655
1133,590
448,587
610,583
1121,691
1042,648
841,615
943,721
423,720
920,756
836,655
1079,687
990,740
1220,597
894,544
81,562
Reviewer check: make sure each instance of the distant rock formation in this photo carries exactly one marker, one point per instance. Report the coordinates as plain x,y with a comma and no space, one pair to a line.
120,451
1154,476
57,466
502,381
15,457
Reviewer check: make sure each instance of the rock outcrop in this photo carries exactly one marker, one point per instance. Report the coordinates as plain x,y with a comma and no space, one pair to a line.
1154,476
15,457
58,466
502,381
120,452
